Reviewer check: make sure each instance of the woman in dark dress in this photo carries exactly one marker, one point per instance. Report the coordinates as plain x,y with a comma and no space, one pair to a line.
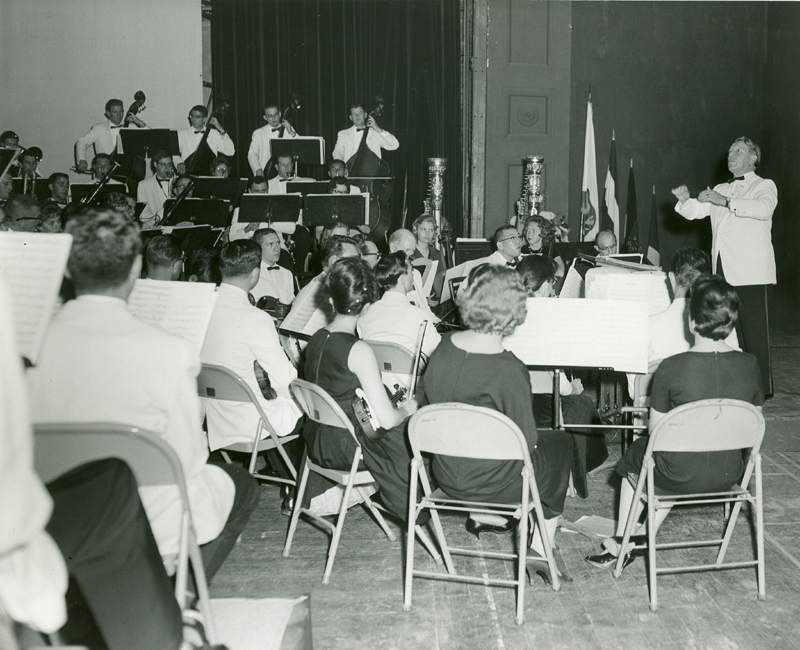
339,362
710,369
539,235
424,229
472,367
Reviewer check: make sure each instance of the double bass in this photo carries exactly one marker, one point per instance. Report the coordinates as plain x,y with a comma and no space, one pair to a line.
364,165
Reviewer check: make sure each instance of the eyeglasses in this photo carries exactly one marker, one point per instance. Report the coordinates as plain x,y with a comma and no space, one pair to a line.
514,238
377,255
607,249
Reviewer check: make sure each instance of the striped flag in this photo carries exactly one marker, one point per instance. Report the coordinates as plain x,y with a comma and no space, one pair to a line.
631,243
589,195
653,254
609,213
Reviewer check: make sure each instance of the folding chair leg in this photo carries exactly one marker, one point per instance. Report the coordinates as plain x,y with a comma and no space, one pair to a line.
287,547
202,590
337,533
225,456
288,462
651,541
437,526
426,542
759,505
728,531
413,511
376,513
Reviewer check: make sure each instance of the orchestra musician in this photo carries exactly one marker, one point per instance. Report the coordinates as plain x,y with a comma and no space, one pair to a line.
508,247
105,135
424,229
260,152
164,258
339,362
349,140
605,243
58,183
154,191
472,367
275,281
29,164
189,139
23,213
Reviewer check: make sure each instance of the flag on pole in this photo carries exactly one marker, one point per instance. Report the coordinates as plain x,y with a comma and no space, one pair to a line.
653,254
631,242
609,212
589,195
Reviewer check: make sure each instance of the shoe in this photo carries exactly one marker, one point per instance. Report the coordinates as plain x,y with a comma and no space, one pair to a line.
613,544
476,527
287,506
607,560
539,565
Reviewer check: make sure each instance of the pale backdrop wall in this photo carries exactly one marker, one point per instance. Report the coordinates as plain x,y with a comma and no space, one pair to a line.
60,60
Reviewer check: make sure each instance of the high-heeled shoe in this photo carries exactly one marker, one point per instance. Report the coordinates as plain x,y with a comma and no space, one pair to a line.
539,565
476,527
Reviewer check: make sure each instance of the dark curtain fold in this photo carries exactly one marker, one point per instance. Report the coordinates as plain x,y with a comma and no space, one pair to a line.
337,52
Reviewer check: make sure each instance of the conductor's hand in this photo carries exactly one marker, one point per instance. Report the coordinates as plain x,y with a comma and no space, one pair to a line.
289,128
681,193
710,196
82,166
410,407
371,123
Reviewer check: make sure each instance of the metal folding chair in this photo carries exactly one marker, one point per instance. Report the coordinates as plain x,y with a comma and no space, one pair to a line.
218,382
453,429
702,426
60,447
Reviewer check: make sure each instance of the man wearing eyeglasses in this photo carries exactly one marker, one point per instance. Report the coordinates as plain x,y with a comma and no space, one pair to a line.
369,252
605,243
508,245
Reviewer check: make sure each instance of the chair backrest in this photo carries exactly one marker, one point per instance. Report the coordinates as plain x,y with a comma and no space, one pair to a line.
218,382
319,406
60,447
455,429
709,425
393,357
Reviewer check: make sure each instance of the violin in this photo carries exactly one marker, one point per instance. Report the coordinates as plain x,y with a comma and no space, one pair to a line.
202,157
363,164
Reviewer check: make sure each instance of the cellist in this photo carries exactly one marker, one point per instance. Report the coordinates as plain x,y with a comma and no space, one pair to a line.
348,140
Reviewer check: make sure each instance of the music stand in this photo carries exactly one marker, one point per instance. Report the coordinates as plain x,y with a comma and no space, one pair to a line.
7,158
216,187
472,249
137,211
307,187
328,209
304,151
143,143
211,212
261,208
40,186
79,191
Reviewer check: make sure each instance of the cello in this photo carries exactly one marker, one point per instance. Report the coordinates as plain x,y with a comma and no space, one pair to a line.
363,166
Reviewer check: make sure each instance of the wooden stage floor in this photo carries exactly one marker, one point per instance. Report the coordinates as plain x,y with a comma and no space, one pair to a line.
361,608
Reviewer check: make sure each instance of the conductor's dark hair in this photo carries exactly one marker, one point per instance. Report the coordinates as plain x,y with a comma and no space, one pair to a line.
689,265
163,251
714,308
390,268
199,109
351,285
203,266
111,103
104,247
238,258
535,270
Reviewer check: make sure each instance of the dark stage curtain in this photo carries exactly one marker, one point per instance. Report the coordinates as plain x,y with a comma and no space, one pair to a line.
337,52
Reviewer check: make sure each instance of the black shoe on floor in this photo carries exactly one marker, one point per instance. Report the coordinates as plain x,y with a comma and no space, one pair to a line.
476,527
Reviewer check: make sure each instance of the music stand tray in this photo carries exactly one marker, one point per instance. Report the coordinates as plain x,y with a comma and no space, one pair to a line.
80,190
307,187
216,187
211,212
261,208
308,151
328,209
40,186
145,142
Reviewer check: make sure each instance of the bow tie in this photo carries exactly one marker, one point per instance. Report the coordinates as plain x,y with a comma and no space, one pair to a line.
361,129
511,264
283,180
736,178
201,131
278,129
116,126
273,268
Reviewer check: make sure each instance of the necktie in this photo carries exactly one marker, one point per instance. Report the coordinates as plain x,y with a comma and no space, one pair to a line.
361,129
196,131
273,268
278,129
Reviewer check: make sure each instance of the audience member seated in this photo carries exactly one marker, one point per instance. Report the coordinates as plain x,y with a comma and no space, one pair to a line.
243,338
310,310
424,229
538,277
710,369
99,363
472,367
393,319
22,213
164,257
51,218
669,330
93,520
59,189
340,363
202,265
605,243
276,283
154,191
539,236
368,251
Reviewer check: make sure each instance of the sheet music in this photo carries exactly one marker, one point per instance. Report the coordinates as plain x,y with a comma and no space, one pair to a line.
583,333
307,316
32,267
180,308
573,286
428,269
608,283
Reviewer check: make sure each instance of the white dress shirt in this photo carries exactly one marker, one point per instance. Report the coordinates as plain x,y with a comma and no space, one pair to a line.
189,140
260,150
238,335
104,136
275,281
99,363
741,235
154,194
348,141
